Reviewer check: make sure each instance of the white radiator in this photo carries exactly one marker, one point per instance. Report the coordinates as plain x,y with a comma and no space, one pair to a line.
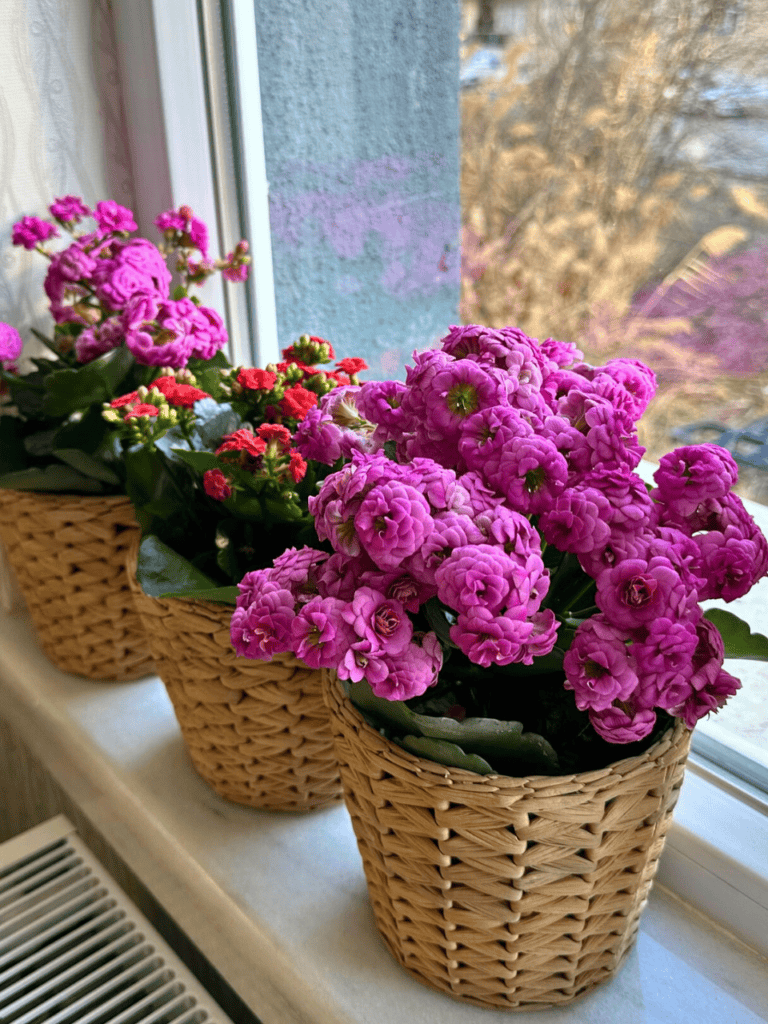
75,950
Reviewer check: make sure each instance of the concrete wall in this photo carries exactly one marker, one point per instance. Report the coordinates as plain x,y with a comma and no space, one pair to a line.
360,107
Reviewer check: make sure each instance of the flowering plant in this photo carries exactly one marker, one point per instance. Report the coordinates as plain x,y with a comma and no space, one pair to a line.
115,323
502,591
217,483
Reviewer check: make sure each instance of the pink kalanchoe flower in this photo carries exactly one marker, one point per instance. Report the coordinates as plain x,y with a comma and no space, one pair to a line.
487,435
451,530
130,269
599,666
297,570
730,562
710,698
263,628
10,343
69,209
491,639
319,634
687,476
156,333
410,675
542,638
380,402
379,620
216,485
454,394
479,575
400,586
341,575
235,274
29,232
636,592
112,217
95,341
577,521
393,522
616,725
532,474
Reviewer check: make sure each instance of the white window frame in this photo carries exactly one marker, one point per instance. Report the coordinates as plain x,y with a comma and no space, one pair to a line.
181,109
195,136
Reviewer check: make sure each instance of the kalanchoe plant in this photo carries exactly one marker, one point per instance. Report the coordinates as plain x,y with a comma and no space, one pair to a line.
217,484
116,323
503,592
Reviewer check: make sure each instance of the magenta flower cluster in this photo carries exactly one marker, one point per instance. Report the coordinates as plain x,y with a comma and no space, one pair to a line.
497,487
106,288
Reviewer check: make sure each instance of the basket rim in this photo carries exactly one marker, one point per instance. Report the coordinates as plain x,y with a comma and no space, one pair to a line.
676,733
52,496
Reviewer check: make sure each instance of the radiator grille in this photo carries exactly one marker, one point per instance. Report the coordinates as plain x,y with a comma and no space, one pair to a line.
75,950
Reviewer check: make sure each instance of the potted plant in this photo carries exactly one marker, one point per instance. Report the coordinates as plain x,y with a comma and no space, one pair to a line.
219,489
65,519
515,625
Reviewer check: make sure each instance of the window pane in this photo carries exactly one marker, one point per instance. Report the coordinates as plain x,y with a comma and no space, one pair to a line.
615,193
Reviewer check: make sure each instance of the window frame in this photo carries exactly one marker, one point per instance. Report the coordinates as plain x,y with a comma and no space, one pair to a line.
190,72
189,76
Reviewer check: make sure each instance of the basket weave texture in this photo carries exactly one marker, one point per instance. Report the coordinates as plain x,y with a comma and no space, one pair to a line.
514,893
69,553
257,732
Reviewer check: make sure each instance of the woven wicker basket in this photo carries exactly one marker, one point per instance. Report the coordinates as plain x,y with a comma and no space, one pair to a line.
68,553
515,893
257,732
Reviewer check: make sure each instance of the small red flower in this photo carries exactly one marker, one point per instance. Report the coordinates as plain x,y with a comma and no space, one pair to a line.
124,399
216,485
297,466
309,371
242,441
141,409
274,432
297,402
256,380
352,365
178,394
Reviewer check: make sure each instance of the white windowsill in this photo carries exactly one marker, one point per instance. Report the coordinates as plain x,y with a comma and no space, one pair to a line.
278,903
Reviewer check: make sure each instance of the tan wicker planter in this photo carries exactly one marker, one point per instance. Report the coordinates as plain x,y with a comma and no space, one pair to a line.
515,893
68,553
257,732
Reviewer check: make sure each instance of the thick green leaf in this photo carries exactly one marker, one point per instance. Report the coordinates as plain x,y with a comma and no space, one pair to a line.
163,573
88,465
201,461
445,753
488,737
57,477
213,421
738,640
93,383
221,595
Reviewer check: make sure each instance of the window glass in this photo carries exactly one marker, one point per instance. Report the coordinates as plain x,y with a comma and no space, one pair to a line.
615,193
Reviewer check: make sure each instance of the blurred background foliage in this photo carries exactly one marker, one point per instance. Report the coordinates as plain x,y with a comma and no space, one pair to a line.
615,192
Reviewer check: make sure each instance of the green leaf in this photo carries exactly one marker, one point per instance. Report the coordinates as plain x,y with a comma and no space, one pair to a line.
40,443
11,445
488,737
201,461
96,382
221,595
58,478
283,511
213,420
435,615
445,753
87,465
738,640
162,572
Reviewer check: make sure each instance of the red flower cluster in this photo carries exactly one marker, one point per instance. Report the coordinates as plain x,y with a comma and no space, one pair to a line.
183,395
